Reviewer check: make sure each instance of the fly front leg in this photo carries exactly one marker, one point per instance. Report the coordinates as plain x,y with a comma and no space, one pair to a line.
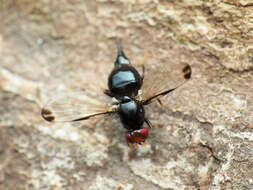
157,124
148,123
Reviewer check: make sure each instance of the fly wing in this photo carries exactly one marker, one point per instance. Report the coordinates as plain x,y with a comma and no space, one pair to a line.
77,106
161,79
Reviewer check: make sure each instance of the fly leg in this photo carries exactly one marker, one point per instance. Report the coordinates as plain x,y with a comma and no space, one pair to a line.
148,123
160,102
108,93
144,59
159,124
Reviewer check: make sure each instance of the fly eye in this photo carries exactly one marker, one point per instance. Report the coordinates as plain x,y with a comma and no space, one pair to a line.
144,132
129,138
137,136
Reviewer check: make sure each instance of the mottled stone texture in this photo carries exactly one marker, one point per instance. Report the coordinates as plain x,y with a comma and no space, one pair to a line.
206,137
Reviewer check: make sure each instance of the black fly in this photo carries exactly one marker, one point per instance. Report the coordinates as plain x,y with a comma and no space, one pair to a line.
128,92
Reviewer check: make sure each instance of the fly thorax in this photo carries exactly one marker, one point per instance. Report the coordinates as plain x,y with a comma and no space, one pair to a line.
131,113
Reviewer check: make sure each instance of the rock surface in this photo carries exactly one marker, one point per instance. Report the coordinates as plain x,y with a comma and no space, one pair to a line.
206,137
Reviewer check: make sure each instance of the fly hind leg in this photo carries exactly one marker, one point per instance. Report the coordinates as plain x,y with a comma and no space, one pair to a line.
144,59
108,93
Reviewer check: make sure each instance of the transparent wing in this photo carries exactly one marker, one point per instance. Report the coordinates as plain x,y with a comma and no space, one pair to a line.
161,79
77,106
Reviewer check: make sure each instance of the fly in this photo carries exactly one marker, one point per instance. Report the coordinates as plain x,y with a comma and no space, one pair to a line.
131,91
